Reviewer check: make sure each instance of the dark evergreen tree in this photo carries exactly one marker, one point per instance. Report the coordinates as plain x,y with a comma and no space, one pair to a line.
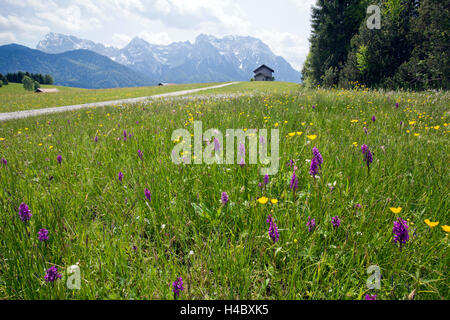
429,65
48,79
334,23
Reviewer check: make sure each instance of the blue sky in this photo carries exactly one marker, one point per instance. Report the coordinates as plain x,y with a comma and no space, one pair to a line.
284,25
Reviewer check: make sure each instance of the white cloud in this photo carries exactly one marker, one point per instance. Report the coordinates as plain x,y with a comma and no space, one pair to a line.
292,47
303,5
120,40
156,38
115,22
69,18
7,37
16,24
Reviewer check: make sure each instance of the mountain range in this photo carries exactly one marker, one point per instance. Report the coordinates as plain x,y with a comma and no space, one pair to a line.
206,59
84,63
78,68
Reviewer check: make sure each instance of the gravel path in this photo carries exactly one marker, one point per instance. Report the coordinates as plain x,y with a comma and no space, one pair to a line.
37,112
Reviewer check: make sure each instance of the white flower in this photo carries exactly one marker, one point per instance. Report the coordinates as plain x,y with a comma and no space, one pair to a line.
163,226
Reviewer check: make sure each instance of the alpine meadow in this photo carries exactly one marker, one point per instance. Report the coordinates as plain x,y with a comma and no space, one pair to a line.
93,205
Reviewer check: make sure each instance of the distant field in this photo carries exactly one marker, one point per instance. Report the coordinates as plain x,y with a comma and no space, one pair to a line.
129,245
256,87
14,97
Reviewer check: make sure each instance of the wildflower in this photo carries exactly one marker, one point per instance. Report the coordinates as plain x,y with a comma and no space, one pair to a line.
396,210
52,274
370,297
120,176
262,141
242,149
373,118
311,224
396,105
313,106
43,235
312,136
224,198
140,154
368,158
366,131
358,206
446,228
266,179
313,169
400,231
24,212
331,186
242,162
4,162
335,221
177,286
59,158
263,200
318,156
96,138
294,182
273,230
216,145
148,194
290,163
431,224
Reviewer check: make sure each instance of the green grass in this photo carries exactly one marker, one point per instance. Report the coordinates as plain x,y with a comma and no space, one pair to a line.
131,248
255,87
13,97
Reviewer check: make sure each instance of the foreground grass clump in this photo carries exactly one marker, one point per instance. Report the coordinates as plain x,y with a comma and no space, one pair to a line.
135,222
14,97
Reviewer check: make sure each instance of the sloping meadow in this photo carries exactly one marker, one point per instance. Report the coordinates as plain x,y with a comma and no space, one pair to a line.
102,183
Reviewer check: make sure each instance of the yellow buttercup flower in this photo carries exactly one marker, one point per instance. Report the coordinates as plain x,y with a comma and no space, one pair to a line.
354,121
431,224
299,133
446,228
2,139
274,201
312,137
396,210
355,144
291,134
412,122
416,134
263,200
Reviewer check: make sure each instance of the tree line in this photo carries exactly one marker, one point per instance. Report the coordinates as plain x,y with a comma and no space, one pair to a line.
3,80
40,78
410,50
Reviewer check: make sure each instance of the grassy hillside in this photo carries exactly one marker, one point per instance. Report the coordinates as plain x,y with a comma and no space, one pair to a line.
14,97
130,246
77,68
